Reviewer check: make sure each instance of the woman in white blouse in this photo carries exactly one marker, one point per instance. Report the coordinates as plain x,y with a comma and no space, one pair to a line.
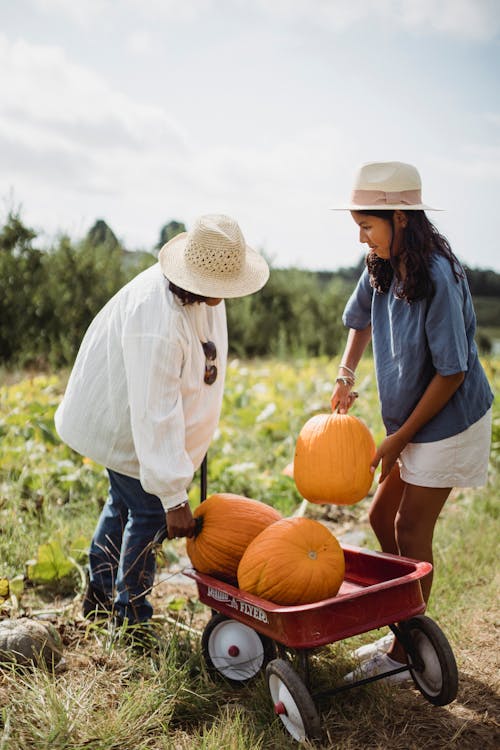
144,399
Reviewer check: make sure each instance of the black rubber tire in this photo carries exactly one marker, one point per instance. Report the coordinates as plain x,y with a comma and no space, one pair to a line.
434,670
302,720
235,673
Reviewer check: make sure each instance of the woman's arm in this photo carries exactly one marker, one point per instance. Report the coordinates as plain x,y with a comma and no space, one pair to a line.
357,341
435,397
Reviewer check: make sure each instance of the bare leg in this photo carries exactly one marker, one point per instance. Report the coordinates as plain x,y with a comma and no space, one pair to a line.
403,517
415,522
384,508
414,530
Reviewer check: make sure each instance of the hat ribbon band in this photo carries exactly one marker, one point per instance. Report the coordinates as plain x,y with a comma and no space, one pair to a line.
381,197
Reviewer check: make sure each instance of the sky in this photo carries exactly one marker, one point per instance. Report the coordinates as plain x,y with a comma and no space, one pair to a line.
140,112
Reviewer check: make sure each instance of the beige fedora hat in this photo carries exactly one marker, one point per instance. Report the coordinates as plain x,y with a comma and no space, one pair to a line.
387,185
213,259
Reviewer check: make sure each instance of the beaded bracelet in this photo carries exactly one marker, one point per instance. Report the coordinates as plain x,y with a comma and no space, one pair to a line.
348,369
345,381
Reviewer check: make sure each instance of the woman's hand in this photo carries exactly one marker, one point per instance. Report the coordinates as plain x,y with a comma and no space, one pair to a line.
436,395
387,452
342,398
180,522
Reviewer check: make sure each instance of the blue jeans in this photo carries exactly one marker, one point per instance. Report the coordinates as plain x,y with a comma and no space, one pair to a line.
122,559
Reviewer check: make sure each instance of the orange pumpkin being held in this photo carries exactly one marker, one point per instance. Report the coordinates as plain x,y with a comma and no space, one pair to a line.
225,526
332,459
294,561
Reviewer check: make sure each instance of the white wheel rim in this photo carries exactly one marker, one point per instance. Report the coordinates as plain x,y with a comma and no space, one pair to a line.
291,718
236,651
431,678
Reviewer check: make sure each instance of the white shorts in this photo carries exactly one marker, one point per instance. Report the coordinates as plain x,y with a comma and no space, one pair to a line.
457,461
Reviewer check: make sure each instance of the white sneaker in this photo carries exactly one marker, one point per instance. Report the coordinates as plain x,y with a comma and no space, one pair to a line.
379,664
369,650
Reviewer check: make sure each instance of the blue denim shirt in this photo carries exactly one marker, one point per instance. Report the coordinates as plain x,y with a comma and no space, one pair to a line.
413,342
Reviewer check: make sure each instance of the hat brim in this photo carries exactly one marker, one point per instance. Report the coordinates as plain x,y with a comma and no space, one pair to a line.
386,207
249,279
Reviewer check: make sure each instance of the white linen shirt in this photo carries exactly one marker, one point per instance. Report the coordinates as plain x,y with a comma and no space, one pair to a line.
136,401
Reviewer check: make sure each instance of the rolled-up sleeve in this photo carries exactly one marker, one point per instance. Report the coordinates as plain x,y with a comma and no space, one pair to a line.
153,367
358,310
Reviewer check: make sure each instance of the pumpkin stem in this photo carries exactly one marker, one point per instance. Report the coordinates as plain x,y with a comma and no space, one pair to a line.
198,525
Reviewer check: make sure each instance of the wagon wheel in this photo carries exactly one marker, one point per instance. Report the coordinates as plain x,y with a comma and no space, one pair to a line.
433,665
233,650
292,701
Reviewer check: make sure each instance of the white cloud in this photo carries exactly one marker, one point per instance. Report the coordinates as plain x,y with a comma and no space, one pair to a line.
88,12
80,12
335,14
72,146
492,118
53,106
469,19
73,149
473,19
478,162
140,42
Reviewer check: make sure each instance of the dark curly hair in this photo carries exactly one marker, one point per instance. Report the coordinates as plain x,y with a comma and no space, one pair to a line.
420,241
187,298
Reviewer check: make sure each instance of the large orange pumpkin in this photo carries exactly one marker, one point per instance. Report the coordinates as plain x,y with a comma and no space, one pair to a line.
332,459
293,561
225,526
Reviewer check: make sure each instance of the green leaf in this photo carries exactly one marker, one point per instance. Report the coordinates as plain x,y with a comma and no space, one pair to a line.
177,604
16,586
51,564
79,549
4,590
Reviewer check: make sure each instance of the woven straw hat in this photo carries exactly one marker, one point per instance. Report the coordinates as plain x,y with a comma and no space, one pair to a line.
213,260
387,185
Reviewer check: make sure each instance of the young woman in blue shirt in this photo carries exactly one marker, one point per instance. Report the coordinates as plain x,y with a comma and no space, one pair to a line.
413,303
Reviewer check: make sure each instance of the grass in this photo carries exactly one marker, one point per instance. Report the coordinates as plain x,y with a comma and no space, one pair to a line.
105,696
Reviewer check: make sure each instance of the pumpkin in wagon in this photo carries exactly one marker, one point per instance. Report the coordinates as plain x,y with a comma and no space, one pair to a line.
225,524
294,561
332,459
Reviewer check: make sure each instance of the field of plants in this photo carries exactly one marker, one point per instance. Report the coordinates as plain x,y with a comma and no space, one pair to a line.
104,696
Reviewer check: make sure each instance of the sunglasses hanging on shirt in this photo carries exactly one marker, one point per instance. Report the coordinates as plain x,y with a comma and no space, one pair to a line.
210,353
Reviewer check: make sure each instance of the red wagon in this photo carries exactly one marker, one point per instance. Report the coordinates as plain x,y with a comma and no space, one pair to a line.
246,633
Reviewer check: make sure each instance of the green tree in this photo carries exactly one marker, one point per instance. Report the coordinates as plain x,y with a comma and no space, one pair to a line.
169,231
21,276
81,279
48,298
101,234
294,314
